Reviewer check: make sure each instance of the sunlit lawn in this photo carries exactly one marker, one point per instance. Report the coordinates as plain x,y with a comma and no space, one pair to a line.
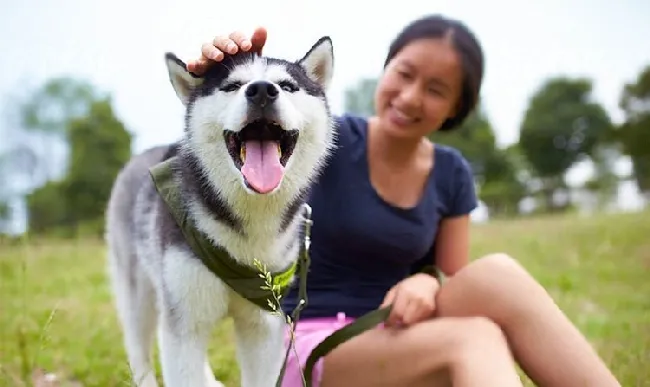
56,312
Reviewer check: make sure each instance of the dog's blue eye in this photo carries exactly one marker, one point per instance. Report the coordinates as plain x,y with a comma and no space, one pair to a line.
288,86
230,87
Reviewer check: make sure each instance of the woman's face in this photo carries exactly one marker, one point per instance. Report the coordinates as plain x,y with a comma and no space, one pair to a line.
420,88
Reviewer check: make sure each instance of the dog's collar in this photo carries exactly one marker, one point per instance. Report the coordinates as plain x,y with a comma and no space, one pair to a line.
263,290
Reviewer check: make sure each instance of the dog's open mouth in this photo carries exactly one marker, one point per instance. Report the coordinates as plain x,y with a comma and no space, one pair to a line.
260,150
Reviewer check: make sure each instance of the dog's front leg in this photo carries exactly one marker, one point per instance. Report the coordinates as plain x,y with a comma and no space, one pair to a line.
182,354
191,304
260,348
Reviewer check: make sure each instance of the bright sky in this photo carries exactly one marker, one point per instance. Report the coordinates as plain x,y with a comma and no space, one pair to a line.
119,46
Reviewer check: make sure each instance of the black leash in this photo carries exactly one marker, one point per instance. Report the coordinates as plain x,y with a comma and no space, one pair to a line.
303,268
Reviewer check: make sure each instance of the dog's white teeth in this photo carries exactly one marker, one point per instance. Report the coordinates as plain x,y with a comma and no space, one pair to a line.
279,150
242,153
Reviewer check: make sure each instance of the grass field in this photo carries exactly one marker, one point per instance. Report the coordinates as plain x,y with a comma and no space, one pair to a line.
56,312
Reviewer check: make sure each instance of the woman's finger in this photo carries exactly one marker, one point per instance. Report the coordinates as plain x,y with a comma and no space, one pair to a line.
241,40
388,299
224,44
413,312
209,51
199,66
400,304
258,39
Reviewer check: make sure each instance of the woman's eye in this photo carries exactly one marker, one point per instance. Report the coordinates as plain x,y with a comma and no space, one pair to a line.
404,74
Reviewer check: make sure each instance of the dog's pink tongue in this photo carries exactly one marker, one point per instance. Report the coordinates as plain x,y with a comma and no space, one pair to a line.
262,169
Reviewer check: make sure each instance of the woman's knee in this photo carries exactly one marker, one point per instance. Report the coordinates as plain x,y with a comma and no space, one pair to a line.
496,264
463,337
489,286
477,338
502,277
477,335
489,270
452,345
481,354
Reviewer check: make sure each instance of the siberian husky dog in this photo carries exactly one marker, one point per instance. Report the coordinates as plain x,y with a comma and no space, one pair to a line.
258,131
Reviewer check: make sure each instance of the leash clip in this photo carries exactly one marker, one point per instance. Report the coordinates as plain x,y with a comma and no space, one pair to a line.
308,223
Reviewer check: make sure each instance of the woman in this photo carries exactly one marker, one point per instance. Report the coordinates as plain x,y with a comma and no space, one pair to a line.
391,201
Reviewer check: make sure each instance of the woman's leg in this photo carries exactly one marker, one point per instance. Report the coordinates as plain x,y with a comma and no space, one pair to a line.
440,352
544,342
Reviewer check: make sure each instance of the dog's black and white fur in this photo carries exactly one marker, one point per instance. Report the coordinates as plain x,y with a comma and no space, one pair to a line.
159,285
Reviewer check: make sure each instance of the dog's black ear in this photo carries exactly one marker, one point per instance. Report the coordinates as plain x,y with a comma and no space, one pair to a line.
182,80
318,62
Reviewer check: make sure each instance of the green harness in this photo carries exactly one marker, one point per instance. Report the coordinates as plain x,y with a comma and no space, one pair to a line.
253,285
244,280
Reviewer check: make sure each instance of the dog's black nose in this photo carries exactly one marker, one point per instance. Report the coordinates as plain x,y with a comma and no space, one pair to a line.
261,93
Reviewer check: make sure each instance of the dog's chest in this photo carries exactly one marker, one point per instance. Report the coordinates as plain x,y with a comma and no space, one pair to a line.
261,242
191,289
197,293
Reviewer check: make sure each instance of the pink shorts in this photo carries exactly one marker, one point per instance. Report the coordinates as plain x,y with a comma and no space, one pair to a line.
309,333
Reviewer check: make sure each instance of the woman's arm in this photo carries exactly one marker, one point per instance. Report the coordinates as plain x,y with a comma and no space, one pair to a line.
413,299
452,244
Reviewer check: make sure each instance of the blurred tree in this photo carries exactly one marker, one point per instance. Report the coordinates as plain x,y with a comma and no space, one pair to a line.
43,120
495,169
35,133
4,211
47,209
475,139
502,188
561,126
98,144
634,133
17,163
360,98
604,183
55,103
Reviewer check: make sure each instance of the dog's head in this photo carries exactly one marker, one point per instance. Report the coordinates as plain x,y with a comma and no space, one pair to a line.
259,123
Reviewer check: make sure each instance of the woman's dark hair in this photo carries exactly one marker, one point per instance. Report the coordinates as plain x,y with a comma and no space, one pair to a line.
468,48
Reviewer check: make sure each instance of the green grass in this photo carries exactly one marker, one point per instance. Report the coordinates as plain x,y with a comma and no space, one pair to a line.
56,311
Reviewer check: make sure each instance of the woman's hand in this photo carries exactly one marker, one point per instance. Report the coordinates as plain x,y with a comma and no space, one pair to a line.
215,50
413,299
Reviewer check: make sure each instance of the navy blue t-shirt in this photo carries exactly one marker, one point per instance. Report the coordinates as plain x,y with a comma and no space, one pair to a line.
361,245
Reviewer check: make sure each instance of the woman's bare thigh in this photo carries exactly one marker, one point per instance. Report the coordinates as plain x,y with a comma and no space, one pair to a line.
391,357
465,350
